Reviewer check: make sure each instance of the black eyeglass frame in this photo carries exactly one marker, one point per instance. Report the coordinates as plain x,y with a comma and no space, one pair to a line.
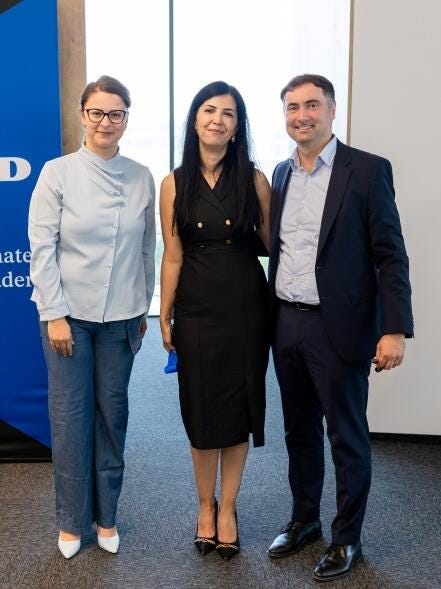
107,114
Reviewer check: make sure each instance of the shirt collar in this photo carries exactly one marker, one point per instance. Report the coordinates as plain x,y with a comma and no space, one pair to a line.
326,156
111,166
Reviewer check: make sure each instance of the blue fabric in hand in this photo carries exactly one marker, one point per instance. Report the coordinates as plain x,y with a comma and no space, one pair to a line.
172,363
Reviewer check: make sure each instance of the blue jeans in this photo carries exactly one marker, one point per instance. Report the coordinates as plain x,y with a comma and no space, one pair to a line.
88,411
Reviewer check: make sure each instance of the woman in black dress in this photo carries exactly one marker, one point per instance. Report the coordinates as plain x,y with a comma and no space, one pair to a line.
213,290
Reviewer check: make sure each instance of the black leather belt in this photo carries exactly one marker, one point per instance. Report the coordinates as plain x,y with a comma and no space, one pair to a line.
301,306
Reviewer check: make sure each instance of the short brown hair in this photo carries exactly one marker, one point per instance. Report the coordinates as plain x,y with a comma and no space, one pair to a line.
316,80
106,84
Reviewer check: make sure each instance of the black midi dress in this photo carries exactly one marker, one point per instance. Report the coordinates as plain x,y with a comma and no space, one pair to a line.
220,325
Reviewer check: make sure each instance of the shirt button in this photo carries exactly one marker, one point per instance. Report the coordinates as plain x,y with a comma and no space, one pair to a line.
227,222
105,285
200,225
111,245
116,193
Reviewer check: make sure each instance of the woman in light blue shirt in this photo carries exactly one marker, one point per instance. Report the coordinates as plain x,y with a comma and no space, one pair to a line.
92,234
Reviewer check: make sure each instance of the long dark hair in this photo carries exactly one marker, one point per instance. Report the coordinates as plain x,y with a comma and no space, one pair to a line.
237,168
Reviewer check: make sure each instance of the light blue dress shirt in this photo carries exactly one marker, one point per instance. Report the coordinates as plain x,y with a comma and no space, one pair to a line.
92,235
300,227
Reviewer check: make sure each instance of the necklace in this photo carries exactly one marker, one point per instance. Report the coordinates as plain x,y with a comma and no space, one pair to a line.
212,177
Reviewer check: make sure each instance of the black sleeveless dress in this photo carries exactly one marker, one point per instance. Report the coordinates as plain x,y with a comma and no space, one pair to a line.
220,326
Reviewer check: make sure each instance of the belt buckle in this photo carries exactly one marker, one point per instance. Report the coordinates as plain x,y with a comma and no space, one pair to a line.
299,308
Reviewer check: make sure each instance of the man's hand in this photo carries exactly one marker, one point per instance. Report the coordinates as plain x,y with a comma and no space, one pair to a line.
390,351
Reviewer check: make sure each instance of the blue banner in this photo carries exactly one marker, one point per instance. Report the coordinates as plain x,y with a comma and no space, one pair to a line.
29,135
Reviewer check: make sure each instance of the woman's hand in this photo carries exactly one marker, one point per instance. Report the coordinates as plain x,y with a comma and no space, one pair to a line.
143,327
263,190
166,330
171,259
60,336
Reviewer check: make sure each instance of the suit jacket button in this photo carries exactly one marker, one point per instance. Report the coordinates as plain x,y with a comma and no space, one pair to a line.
228,241
227,222
200,225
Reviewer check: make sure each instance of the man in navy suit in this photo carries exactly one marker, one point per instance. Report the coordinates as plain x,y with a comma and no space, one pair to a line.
340,290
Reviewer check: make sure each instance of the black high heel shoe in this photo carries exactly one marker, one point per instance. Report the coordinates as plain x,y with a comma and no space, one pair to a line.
226,549
206,545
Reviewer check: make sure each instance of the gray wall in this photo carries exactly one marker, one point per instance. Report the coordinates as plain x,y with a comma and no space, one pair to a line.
395,110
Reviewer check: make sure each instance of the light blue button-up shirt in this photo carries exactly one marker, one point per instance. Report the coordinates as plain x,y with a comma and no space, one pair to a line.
300,227
92,235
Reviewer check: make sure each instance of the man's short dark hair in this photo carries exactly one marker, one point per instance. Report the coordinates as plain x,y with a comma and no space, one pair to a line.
316,80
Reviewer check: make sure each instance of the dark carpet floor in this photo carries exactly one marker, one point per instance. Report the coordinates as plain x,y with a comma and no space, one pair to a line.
156,520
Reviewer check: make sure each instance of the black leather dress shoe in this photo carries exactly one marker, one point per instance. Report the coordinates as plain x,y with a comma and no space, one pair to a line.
337,561
294,537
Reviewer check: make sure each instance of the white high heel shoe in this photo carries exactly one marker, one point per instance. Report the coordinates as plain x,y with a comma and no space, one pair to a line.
69,548
109,544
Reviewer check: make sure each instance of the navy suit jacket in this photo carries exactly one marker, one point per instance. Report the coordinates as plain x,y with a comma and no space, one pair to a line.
362,269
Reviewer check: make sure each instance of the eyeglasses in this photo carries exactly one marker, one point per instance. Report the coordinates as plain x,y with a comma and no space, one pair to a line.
96,115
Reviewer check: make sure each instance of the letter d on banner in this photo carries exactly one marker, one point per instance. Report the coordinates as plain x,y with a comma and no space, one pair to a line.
13,169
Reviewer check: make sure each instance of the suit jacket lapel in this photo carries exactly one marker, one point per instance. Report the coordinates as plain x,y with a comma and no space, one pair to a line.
280,181
338,182
281,178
